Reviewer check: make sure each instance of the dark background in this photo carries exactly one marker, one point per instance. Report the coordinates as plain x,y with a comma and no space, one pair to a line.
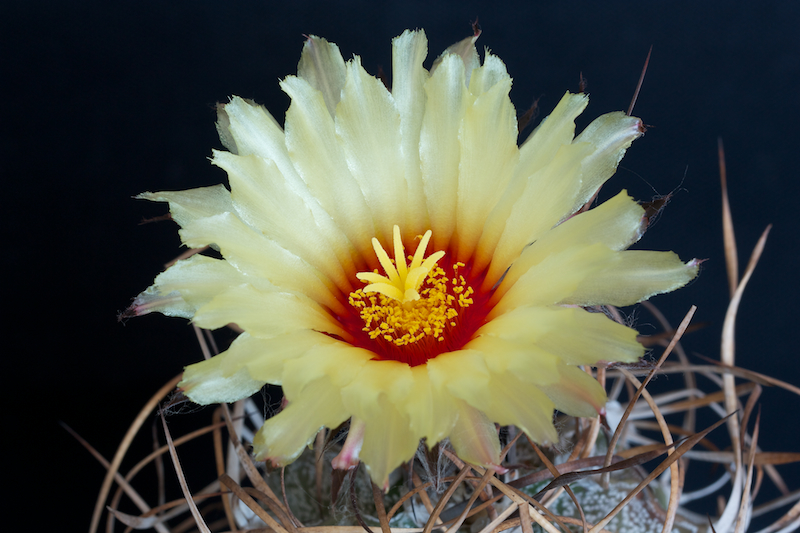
104,100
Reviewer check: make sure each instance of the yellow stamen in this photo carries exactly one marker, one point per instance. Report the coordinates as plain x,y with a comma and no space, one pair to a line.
414,300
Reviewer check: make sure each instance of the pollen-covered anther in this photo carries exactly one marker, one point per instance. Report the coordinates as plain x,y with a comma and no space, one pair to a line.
413,301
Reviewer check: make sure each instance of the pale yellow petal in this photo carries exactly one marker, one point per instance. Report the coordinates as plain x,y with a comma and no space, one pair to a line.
556,130
520,357
208,382
377,379
246,366
583,338
459,372
485,77
152,300
617,223
633,276
322,66
265,314
432,411
339,362
264,357
440,150
368,127
560,188
408,89
256,132
510,401
463,374
187,206
465,51
255,255
611,135
189,284
474,437
318,158
596,275
388,443
283,437
576,336
542,145
224,129
577,393
502,397
489,154
376,396
264,200
546,199
573,391
552,280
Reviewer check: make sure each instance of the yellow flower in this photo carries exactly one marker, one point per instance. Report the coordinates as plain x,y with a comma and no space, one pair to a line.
483,323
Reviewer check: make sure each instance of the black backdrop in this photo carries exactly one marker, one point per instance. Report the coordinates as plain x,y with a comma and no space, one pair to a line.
104,100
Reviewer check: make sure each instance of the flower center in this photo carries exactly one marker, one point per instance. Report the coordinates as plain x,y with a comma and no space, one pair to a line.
416,310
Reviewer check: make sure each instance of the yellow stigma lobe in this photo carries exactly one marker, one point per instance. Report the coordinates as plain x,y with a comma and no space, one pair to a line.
401,281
